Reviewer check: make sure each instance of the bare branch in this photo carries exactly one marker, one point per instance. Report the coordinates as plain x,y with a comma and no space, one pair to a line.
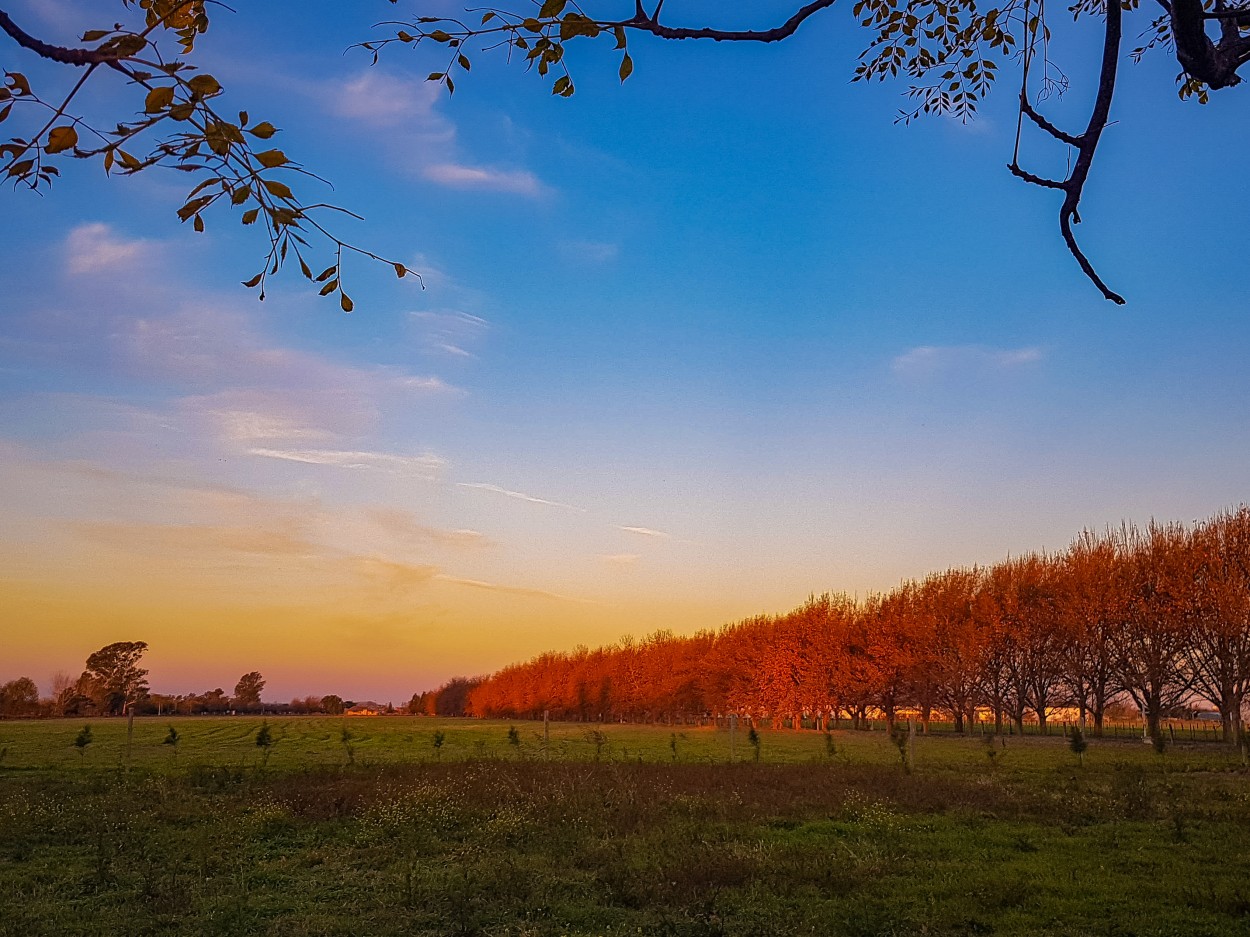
645,23
1089,144
1028,177
59,54
1030,112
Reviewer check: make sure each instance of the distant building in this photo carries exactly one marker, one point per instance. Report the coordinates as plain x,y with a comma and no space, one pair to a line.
366,709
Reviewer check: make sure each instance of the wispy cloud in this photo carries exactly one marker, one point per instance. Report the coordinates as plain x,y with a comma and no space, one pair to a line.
392,574
509,590
518,495
404,527
645,532
449,331
96,247
417,135
383,99
424,466
926,360
459,176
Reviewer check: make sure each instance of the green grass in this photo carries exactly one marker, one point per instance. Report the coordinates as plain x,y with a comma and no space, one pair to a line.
541,839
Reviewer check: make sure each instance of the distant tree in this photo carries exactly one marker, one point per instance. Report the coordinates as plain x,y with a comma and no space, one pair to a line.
332,705
247,691
114,674
19,697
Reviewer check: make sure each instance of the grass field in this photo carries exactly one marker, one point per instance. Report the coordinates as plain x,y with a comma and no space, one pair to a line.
632,830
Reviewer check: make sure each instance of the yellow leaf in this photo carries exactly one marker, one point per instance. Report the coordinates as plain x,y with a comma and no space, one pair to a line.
271,159
61,139
278,189
158,99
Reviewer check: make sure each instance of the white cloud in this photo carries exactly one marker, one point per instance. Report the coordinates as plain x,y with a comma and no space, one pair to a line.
380,99
449,331
94,247
645,532
415,134
248,426
423,466
926,360
519,496
458,176
431,384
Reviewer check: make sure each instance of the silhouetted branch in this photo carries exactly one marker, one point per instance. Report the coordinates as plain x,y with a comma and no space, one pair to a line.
61,54
650,24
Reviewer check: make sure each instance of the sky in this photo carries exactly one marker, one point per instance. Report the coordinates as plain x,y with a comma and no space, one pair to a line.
684,350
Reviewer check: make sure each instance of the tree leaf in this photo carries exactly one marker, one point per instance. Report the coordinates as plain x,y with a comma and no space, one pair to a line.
61,139
271,159
278,189
204,86
627,66
346,303
158,99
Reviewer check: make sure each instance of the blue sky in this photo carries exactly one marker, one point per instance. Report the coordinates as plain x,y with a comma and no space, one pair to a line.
688,349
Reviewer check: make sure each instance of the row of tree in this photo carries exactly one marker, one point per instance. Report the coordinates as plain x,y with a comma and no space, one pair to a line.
1156,617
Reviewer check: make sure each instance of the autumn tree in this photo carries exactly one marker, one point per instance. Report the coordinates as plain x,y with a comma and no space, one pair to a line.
165,112
19,697
1154,635
247,691
961,639
113,677
1219,660
1090,604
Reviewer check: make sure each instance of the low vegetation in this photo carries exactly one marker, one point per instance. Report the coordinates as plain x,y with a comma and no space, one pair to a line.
610,830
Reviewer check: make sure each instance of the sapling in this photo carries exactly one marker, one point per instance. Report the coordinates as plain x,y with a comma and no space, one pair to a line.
345,739
830,748
514,739
753,738
439,739
1077,743
264,741
81,742
171,739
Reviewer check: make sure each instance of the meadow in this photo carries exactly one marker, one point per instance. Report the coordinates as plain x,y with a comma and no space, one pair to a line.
366,827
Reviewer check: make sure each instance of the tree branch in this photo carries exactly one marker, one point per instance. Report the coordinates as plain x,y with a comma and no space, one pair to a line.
1089,144
1031,113
650,24
61,54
